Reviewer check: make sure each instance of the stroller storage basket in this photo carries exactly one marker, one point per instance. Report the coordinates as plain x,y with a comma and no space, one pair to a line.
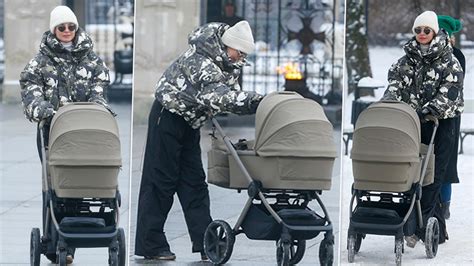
260,225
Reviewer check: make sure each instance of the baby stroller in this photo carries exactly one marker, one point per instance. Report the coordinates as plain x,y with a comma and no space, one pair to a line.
80,185
290,163
390,166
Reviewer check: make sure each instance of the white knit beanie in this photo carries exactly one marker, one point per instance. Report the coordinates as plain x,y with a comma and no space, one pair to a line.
427,19
239,37
60,15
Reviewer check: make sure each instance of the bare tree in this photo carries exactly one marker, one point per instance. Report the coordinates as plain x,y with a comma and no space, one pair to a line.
357,50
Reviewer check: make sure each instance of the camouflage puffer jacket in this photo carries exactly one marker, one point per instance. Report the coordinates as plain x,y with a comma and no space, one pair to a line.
56,76
430,82
203,82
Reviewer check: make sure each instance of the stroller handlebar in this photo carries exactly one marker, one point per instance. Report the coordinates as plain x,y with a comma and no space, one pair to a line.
41,124
432,118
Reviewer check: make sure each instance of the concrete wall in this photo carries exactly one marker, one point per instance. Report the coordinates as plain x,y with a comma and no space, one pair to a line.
25,21
161,30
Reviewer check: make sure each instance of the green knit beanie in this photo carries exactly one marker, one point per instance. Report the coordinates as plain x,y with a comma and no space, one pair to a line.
450,24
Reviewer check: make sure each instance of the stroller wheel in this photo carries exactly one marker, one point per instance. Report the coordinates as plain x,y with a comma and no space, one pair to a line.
62,258
113,257
432,237
398,251
35,247
283,253
358,242
122,252
297,250
51,257
326,250
351,248
219,242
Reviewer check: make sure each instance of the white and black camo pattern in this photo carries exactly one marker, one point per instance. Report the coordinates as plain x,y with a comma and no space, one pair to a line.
203,81
432,81
56,76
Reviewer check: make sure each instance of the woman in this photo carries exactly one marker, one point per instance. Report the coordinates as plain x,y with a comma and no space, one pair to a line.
65,70
451,25
200,83
430,79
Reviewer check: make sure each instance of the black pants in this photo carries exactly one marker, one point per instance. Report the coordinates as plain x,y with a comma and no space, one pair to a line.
452,169
430,199
172,164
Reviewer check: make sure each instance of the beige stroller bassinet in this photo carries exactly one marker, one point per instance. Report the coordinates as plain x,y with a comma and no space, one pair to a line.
293,148
84,154
387,151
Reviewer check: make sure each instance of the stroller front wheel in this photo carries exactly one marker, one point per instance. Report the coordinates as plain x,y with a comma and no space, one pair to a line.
219,241
113,257
283,253
62,260
432,237
35,247
326,250
398,251
358,242
297,251
351,248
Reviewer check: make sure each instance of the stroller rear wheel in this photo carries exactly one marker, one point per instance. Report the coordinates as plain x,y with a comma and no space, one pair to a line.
219,241
432,237
35,247
122,252
398,251
326,250
117,252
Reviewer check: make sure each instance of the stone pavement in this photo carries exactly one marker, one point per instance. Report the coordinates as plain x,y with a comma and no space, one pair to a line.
225,205
20,186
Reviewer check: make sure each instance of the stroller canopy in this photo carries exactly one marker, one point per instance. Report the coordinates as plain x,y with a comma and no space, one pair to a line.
387,131
286,124
84,134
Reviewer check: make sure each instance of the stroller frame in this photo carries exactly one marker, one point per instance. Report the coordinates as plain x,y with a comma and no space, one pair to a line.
408,201
220,235
54,237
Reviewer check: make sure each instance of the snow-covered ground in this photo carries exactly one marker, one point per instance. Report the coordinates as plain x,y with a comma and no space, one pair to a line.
378,250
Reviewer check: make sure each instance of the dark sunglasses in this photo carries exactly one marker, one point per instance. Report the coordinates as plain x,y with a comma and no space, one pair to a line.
425,30
70,27
241,54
